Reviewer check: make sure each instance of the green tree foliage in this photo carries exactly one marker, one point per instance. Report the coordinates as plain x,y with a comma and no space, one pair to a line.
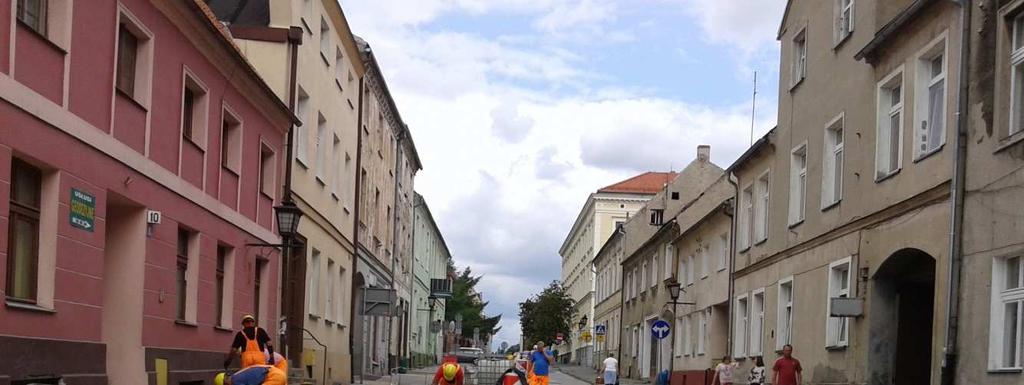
466,300
546,314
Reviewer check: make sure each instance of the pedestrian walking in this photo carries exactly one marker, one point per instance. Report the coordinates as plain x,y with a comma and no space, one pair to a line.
787,370
724,371
611,370
252,344
540,363
757,376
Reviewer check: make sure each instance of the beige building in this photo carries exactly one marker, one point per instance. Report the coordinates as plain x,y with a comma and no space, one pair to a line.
843,214
597,220
608,298
387,165
649,263
328,73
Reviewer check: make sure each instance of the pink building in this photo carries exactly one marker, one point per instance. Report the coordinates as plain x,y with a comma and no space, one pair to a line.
111,111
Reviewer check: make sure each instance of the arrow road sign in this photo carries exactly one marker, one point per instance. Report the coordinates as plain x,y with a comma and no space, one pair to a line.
660,329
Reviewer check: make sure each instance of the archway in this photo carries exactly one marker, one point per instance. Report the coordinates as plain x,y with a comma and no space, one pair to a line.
902,305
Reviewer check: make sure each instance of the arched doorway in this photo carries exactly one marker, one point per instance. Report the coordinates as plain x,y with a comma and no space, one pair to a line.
901,319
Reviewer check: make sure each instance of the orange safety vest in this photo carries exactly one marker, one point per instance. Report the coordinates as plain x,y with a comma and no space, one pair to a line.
252,355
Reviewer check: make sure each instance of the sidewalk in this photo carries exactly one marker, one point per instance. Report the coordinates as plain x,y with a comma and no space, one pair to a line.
588,375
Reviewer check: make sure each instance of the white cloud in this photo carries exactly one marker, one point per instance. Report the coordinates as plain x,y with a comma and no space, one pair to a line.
748,24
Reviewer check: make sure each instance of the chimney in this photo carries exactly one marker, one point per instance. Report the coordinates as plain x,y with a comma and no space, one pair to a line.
703,153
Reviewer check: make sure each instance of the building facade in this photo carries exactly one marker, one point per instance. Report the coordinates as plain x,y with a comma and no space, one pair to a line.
843,210
649,264
430,261
154,110
597,220
608,297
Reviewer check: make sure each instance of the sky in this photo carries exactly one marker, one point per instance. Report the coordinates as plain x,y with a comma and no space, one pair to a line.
521,108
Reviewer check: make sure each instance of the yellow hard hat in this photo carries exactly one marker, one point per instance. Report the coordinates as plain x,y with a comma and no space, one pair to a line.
219,379
449,370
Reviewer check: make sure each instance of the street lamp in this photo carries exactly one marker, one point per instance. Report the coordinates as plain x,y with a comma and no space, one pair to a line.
674,290
583,322
288,215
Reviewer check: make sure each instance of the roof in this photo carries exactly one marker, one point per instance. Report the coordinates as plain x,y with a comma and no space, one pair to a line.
647,183
892,28
753,149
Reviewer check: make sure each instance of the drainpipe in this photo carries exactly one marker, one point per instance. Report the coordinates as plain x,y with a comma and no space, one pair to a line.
622,303
735,182
355,238
287,305
957,189
395,254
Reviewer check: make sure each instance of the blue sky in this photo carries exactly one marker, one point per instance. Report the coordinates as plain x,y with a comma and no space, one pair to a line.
521,108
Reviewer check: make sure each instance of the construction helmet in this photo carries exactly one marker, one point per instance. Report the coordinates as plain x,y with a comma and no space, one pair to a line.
248,317
219,379
449,370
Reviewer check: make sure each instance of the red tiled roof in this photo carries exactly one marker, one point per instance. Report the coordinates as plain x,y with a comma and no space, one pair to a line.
647,183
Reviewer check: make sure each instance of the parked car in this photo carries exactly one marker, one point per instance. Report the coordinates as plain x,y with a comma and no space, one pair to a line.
466,355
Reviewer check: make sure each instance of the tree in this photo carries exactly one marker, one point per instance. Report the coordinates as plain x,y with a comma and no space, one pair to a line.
547,314
467,301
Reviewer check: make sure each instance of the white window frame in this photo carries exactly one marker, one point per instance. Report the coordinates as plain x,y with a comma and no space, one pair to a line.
742,328
1016,121
797,184
746,225
886,111
654,271
784,327
1001,297
321,146
922,87
832,174
325,41
798,67
301,134
833,325
762,204
681,339
643,276
689,336
845,20
670,256
702,332
691,269
756,316
723,252
313,305
682,269
705,264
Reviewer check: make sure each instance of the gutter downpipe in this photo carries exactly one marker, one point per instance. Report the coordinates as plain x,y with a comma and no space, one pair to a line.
395,254
622,304
735,182
355,240
294,41
957,189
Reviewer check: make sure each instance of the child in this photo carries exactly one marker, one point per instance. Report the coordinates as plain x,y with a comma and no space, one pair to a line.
723,371
757,376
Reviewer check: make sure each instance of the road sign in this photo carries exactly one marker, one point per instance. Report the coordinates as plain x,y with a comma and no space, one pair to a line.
599,330
560,337
83,210
660,329
600,338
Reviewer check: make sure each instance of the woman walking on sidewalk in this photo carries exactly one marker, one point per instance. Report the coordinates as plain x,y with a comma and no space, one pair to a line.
757,376
611,370
724,371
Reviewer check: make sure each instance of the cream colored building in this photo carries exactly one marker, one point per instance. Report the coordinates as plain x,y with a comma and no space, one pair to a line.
608,298
846,202
430,261
649,263
326,96
601,213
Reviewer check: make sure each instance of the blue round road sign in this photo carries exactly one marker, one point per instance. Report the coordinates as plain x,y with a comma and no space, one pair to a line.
660,329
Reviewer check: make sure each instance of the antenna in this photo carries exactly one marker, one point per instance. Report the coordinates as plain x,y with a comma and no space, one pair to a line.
753,109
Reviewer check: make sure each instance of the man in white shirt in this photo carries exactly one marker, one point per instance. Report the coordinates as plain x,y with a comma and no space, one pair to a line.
611,370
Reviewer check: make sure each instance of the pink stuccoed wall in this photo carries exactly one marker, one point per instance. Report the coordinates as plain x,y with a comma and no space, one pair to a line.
80,254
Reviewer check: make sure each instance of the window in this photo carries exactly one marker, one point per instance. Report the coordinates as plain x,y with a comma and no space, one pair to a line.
756,322
799,65
785,321
267,170
654,271
670,256
23,231
321,149
301,137
33,14
230,142
222,255
325,40
314,283
832,170
838,287
890,126
681,339
683,267
844,20
723,251
339,68
742,327
930,100
127,53
193,112
330,310
184,238
691,267
689,335
705,264
643,276
761,215
340,302
702,332
1006,336
797,183
746,217
1017,76
257,287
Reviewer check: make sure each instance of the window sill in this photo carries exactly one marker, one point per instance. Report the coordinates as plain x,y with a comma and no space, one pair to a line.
340,325
302,162
229,170
795,224
829,206
1009,141
887,176
836,348
42,36
1006,371
185,323
842,41
193,143
223,329
313,316
15,304
347,211
335,196
320,181
130,98
324,57
329,322
340,88
792,87
305,25
266,195
925,155
760,241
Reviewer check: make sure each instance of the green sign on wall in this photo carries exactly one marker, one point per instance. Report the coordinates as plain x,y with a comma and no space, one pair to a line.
83,210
